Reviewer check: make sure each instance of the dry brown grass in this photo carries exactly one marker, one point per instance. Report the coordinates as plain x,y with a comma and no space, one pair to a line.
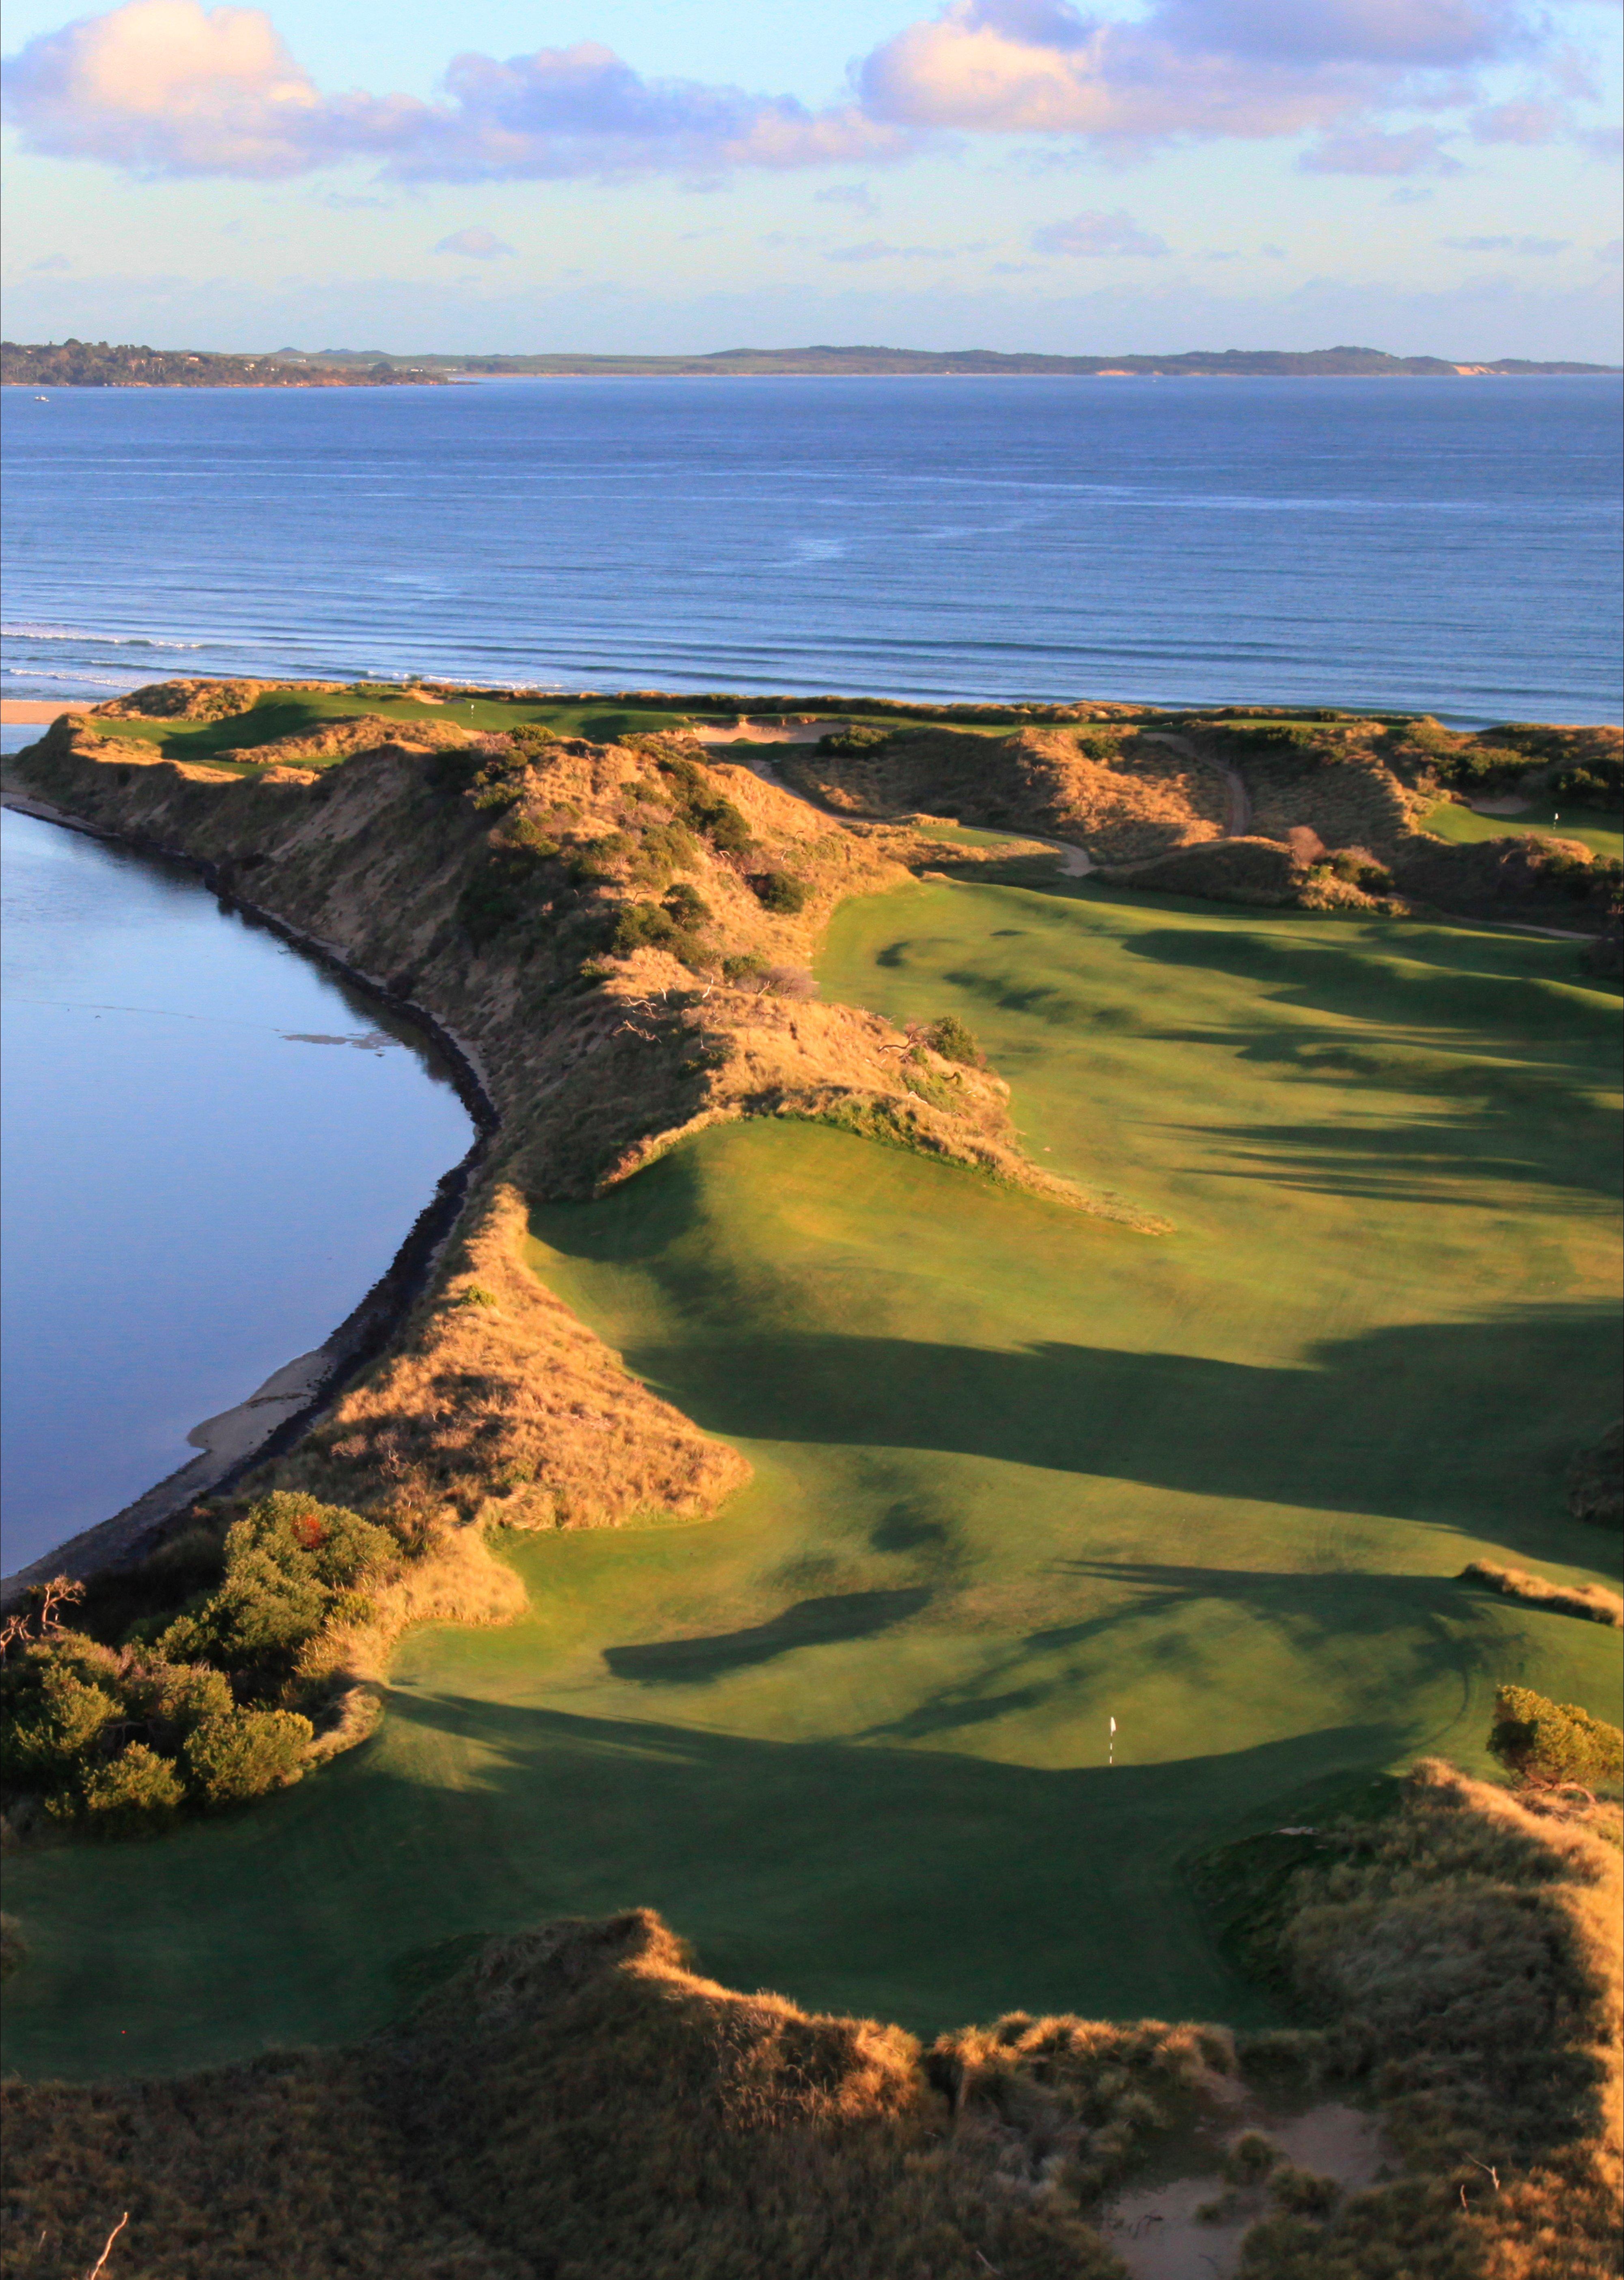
497,1404
1465,1954
575,2104
579,2103
1590,1600
1125,794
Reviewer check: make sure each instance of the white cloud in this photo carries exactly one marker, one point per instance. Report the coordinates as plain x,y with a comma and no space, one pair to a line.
1098,235
475,244
174,86
1368,150
1198,67
170,86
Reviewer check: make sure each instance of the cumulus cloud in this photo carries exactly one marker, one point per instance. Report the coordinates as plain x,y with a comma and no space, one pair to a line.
476,244
172,87
1368,150
1198,67
1098,235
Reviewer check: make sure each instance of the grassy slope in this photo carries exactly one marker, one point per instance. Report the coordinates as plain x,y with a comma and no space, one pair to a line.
1016,1472
1464,825
289,713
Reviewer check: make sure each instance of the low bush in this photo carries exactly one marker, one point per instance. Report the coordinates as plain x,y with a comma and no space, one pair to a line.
686,906
950,1037
703,806
641,926
855,739
246,1754
285,1563
138,1790
778,892
199,1707
1550,1742
1597,783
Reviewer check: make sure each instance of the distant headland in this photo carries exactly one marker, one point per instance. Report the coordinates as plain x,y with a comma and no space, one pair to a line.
87,364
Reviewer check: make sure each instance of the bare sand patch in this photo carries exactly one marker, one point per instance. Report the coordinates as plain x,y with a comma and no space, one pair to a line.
15,711
1157,2233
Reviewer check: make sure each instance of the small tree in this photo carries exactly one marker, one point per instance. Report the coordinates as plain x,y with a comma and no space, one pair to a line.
1547,1742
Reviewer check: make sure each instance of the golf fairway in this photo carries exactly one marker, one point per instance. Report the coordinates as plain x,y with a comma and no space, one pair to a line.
1019,1472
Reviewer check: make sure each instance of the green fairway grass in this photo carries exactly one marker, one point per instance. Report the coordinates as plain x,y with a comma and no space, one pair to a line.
1465,825
1017,1472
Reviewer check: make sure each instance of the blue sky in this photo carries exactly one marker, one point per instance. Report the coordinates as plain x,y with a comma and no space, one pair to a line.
1437,175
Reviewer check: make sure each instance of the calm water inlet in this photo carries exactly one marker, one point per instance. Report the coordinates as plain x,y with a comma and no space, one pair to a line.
213,1149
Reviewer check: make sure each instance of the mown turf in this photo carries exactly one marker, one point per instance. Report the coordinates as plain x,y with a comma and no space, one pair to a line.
1017,1472
1465,825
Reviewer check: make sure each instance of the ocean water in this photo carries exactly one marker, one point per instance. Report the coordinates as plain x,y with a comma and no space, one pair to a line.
1448,546
212,1149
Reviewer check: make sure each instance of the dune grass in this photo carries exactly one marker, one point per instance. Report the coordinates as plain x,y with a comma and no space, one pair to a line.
1017,1471
1463,826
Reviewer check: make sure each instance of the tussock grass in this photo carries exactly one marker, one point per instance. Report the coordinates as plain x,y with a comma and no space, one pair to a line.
580,2102
1592,1601
507,1410
1465,1955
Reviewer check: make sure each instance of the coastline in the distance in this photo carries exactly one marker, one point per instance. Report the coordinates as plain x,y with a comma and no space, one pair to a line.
83,364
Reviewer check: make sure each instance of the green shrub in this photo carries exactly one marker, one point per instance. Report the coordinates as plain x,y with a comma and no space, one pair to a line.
246,1753
284,1561
855,739
703,806
54,1715
641,926
136,1790
686,904
595,861
1549,1742
504,888
1595,783
953,1041
664,848
778,892
744,970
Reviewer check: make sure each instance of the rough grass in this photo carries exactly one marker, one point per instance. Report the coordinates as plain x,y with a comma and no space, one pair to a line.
1592,1601
1466,1955
580,2103
1124,795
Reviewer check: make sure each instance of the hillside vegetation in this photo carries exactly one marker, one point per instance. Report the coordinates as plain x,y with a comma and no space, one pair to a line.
96,363
580,2101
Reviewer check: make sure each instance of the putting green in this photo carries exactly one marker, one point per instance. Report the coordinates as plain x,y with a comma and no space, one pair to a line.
1465,825
1017,1472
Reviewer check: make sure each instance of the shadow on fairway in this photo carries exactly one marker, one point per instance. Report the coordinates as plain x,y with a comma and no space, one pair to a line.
922,1885
1427,1629
811,1623
1462,1424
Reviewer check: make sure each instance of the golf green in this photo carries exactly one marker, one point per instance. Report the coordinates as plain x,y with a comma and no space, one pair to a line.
1019,1472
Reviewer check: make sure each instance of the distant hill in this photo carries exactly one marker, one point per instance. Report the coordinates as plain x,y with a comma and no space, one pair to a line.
87,364
94,363
1231,363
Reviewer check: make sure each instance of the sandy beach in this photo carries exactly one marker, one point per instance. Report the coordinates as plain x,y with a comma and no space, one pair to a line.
16,710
